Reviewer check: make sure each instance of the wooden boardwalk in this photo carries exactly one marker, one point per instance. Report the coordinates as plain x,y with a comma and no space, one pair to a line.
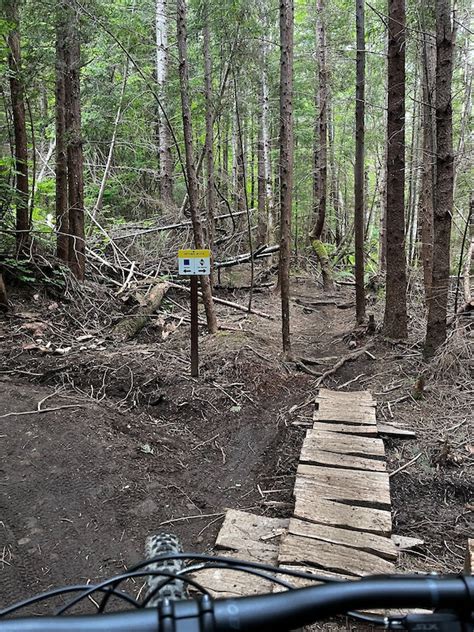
342,521
341,525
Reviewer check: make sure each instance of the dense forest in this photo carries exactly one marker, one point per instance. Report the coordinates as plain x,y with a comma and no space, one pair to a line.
285,190
338,131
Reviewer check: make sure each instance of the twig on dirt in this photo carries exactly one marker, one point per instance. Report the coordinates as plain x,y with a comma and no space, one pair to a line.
300,365
42,410
403,467
173,520
350,381
199,445
234,401
348,358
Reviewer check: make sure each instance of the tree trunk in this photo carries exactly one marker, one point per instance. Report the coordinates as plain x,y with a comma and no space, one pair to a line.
267,163
19,128
438,298
62,213
209,149
395,318
286,163
428,171
359,188
192,182
164,135
3,295
320,185
75,159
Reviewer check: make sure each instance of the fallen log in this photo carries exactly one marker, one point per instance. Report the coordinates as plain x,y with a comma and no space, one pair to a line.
260,253
130,326
348,358
222,301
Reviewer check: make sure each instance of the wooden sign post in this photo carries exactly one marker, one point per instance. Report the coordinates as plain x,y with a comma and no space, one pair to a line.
194,263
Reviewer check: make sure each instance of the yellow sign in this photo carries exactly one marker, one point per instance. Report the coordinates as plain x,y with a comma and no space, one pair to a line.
193,254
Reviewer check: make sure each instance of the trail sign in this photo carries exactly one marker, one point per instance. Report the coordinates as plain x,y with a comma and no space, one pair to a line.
194,262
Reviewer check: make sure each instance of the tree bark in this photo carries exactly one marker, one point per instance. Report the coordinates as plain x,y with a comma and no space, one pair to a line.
192,182
286,164
428,171
62,212
359,188
19,128
320,160
267,163
395,318
164,135
209,150
438,299
75,158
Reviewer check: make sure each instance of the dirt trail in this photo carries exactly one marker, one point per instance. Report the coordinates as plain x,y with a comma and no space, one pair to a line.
83,486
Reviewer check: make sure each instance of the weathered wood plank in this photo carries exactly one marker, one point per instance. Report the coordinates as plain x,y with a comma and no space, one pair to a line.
405,543
348,461
392,430
324,511
364,397
369,542
253,537
299,582
330,426
334,557
345,444
345,414
339,484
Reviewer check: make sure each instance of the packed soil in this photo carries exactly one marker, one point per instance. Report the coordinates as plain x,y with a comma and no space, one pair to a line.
105,442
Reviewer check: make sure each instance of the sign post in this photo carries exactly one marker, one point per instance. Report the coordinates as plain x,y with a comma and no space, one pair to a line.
194,263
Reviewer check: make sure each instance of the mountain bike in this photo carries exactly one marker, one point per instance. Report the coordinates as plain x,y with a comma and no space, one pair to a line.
166,606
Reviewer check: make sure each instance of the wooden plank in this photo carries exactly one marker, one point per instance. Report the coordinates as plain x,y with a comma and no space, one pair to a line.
392,430
252,537
348,461
330,426
300,582
227,583
369,542
334,557
347,415
339,484
345,444
244,536
324,511
405,543
363,396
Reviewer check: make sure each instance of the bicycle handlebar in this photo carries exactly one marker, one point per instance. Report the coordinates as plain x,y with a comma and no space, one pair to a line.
280,611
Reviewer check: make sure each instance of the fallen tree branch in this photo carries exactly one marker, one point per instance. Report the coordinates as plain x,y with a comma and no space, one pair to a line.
222,301
260,253
348,358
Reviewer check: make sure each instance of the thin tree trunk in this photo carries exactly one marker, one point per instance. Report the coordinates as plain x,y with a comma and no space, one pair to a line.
105,176
320,200
438,299
164,135
359,188
267,163
74,149
395,318
19,128
62,212
286,163
192,182
209,149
